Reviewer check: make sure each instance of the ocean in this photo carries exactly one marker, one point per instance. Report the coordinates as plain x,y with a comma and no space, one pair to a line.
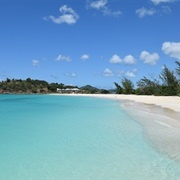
46,137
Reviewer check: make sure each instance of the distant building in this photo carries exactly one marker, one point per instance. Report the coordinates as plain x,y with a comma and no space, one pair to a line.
68,90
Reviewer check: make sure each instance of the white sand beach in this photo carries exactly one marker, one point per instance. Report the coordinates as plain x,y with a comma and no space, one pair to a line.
170,102
158,115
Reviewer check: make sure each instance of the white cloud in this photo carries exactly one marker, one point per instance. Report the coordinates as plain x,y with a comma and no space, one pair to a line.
85,57
101,5
145,12
68,16
129,59
109,12
63,58
172,49
35,62
72,75
131,73
156,2
98,4
115,59
149,58
108,73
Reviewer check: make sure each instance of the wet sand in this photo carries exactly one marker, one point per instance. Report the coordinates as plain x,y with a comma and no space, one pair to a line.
160,126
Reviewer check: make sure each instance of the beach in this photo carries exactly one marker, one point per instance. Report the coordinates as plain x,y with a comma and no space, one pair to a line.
167,107
158,116
163,105
170,102
87,137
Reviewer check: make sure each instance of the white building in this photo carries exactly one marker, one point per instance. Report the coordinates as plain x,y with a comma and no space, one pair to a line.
68,90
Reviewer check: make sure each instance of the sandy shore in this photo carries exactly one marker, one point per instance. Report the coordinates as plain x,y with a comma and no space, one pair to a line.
158,115
170,102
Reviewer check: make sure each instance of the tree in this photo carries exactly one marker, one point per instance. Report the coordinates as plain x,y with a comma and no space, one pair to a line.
8,80
178,69
127,86
103,91
28,80
119,89
178,74
147,86
169,82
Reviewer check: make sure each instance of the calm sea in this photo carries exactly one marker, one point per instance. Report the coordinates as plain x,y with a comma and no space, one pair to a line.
44,137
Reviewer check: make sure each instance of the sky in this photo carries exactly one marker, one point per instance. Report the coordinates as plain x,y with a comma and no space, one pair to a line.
88,42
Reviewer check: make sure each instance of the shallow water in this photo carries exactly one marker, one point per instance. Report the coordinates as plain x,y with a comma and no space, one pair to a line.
161,127
65,137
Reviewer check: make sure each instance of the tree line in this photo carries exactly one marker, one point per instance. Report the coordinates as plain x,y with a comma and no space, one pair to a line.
168,84
29,86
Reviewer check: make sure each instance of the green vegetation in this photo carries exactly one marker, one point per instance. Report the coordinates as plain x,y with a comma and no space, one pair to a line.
168,84
128,87
178,69
29,86
119,89
88,89
147,86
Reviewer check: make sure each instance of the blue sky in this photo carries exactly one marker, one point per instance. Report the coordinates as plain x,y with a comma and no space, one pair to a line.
82,42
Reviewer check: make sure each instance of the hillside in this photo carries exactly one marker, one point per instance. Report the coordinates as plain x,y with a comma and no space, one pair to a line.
30,86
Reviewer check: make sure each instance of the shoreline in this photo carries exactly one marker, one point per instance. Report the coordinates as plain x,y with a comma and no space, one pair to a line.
168,107
158,116
170,102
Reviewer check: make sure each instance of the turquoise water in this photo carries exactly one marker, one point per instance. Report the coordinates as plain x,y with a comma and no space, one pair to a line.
45,137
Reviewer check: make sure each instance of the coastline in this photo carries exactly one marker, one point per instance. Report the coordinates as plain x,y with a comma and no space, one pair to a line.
170,102
168,107
158,116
